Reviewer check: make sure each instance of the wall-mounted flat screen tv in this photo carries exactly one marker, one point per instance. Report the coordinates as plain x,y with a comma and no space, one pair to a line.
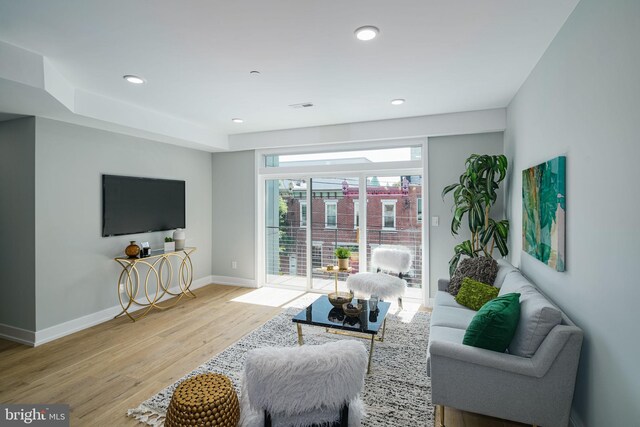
133,205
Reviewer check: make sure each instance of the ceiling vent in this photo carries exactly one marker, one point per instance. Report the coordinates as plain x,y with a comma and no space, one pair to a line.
302,105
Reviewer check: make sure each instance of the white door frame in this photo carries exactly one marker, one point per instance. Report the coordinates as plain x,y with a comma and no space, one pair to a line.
361,171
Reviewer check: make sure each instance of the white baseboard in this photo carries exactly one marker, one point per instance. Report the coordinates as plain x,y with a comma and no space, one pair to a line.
233,281
19,335
69,327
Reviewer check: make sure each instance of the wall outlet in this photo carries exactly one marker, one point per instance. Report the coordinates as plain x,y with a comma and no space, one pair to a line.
435,221
234,264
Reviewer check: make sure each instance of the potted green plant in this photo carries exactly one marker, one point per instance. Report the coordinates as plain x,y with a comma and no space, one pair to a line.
473,196
343,255
169,244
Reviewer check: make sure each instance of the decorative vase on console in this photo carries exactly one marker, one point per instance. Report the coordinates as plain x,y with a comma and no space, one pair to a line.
133,250
179,237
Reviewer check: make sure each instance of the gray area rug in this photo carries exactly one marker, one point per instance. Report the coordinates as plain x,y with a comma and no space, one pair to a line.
396,393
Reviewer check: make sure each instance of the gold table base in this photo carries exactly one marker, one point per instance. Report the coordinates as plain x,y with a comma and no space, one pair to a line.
156,264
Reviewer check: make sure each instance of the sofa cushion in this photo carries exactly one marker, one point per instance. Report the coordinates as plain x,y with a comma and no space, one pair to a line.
504,268
513,282
482,269
452,317
537,318
474,294
494,325
445,299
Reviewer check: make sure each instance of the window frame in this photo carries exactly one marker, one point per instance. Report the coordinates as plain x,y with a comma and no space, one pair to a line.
328,203
389,202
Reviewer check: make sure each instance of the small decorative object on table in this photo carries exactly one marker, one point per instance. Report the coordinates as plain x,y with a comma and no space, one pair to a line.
330,267
133,250
338,299
373,302
179,237
343,255
352,310
169,244
146,250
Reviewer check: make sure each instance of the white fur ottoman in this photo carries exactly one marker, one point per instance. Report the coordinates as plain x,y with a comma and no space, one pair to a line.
301,386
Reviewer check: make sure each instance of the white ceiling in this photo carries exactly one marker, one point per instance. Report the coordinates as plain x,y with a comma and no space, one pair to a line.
440,55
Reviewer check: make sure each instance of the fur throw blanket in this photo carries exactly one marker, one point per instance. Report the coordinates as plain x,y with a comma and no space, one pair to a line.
306,385
483,269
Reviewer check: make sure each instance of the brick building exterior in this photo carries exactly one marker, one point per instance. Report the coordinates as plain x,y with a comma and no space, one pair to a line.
394,216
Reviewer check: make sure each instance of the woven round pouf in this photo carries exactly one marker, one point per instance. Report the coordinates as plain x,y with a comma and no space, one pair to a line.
204,400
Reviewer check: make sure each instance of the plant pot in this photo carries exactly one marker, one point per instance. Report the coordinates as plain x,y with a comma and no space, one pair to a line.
343,263
169,246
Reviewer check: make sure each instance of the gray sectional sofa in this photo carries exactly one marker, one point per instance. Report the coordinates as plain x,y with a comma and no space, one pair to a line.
533,382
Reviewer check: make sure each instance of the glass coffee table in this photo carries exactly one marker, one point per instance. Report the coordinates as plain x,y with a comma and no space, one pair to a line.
367,325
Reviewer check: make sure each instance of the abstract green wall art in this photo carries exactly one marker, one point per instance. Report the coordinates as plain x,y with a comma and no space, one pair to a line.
543,212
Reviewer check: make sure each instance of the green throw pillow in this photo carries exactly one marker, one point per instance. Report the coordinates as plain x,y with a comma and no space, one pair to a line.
495,324
474,294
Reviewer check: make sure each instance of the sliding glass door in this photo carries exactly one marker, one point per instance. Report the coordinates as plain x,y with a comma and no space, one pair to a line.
312,206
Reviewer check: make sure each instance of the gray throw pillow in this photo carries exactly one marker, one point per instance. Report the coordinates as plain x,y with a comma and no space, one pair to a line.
537,318
482,269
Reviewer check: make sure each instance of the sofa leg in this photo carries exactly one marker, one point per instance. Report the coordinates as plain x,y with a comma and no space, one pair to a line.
400,303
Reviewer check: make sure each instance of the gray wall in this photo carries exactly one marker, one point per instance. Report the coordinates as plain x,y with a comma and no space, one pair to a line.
17,223
234,215
447,155
76,274
582,100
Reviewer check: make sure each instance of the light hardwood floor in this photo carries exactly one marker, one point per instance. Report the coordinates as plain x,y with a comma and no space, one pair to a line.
105,370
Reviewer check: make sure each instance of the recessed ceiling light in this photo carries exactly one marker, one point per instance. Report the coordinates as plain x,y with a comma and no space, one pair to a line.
398,101
236,120
366,33
133,79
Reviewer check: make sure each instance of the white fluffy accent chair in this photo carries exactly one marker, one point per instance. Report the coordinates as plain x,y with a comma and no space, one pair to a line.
388,260
303,386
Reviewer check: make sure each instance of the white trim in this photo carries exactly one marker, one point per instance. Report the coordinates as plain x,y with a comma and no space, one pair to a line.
386,168
31,338
344,146
389,202
426,259
19,335
69,327
328,203
233,281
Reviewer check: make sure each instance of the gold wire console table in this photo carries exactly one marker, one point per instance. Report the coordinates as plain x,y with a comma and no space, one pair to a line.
160,272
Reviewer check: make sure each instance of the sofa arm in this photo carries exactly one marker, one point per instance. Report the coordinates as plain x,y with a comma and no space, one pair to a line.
443,285
536,366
